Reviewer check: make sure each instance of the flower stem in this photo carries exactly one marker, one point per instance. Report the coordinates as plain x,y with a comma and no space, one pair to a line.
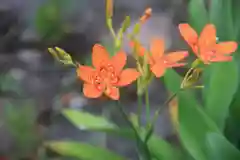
125,116
165,104
139,112
140,144
147,106
109,25
151,128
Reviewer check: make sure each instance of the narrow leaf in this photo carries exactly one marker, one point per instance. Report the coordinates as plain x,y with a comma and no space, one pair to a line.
194,125
220,12
162,150
86,121
220,148
198,15
82,151
223,83
172,81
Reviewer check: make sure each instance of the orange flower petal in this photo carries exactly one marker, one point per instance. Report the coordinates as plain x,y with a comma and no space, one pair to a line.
221,59
128,76
112,92
157,48
178,65
226,47
139,48
158,69
189,35
207,37
119,61
85,73
176,56
99,55
91,91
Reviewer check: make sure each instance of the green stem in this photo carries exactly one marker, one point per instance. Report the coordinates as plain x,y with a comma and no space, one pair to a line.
182,87
151,128
165,104
183,84
147,106
140,144
125,116
109,25
139,112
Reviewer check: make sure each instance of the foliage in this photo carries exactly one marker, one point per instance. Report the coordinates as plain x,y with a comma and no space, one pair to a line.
49,20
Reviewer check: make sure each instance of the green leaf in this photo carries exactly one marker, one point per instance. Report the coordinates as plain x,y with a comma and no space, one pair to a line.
220,13
20,117
236,19
223,83
223,77
232,129
172,80
220,148
82,151
198,15
162,150
48,20
86,121
194,125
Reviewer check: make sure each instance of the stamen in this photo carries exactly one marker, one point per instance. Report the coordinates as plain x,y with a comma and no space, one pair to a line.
108,75
114,78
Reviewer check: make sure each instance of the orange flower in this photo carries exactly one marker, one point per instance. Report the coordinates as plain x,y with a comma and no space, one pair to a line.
205,46
107,74
157,60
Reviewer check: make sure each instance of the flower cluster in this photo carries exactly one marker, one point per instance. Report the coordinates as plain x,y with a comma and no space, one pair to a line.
108,74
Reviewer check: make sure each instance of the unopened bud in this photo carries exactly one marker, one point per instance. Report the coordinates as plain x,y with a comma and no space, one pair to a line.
61,56
147,14
109,8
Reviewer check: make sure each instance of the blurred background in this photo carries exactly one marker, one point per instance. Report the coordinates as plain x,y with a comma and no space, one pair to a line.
34,87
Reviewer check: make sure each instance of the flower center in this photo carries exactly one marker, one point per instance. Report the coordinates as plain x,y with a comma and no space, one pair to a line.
166,62
105,76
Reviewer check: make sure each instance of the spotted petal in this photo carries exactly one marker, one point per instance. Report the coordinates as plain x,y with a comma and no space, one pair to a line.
226,47
176,56
207,37
112,92
91,91
221,59
157,48
85,73
119,61
158,69
189,35
127,76
100,56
